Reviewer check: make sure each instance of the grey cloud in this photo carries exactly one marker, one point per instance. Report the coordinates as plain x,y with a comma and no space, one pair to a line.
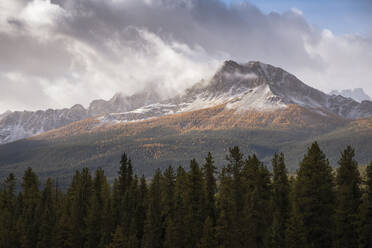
99,47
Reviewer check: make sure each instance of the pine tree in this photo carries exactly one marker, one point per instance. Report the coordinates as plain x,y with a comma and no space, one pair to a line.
175,226
348,200
194,201
210,187
366,212
230,231
64,230
8,214
30,218
315,198
257,214
80,194
48,217
168,193
154,225
141,210
118,240
226,228
208,240
280,199
295,232
97,201
125,174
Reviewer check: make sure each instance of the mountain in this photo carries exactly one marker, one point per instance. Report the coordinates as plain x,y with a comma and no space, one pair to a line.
259,107
357,94
18,125
241,87
120,103
252,86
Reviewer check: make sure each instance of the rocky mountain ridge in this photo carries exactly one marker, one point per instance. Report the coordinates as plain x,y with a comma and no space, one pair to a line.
245,87
23,124
253,86
357,94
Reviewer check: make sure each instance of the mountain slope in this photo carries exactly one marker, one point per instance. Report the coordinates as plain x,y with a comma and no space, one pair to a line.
173,139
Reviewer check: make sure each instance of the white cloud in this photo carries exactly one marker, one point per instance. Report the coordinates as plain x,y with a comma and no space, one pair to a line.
347,62
296,11
63,52
41,12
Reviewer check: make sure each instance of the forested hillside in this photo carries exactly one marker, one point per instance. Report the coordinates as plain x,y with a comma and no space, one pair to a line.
241,205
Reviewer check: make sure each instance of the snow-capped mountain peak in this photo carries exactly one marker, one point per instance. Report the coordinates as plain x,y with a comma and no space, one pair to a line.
253,86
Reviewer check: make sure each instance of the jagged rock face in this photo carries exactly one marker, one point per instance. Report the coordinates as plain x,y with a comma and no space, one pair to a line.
120,103
18,125
357,94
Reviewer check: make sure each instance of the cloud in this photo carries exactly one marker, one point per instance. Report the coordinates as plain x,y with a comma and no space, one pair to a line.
63,52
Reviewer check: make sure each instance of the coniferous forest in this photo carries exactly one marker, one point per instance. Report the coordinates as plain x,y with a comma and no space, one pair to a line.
241,205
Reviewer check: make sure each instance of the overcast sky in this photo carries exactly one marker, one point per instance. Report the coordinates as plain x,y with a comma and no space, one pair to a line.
55,53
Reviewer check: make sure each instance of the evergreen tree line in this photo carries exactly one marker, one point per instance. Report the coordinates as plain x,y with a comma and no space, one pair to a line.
242,205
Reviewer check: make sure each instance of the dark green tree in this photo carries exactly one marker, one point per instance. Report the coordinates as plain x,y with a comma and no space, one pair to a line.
175,226
348,200
295,232
208,239
195,203
280,201
315,198
79,195
210,187
366,211
47,234
96,211
29,221
154,225
8,214
226,228
118,240
256,229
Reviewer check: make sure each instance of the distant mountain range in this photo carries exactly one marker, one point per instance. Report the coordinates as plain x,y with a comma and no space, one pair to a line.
357,94
259,107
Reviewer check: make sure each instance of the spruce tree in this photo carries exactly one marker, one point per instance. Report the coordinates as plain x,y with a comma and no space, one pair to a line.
366,212
48,217
256,231
348,200
168,193
230,229
125,174
194,204
8,214
154,225
30,219
118,240
175,226
280,201
315,198
210,187
80,194
141,210
208,239
97,201
295,232
226,228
